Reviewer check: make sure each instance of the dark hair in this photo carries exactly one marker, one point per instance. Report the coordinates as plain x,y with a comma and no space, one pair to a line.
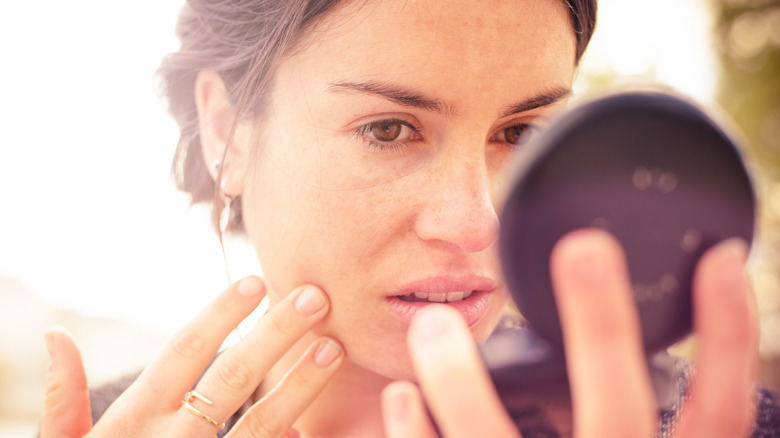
243,41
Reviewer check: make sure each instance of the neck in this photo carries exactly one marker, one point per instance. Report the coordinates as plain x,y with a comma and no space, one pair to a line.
349,406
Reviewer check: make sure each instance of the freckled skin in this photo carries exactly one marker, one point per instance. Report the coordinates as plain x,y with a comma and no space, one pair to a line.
322,207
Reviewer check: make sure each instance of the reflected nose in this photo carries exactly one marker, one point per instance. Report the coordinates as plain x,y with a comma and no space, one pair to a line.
460,211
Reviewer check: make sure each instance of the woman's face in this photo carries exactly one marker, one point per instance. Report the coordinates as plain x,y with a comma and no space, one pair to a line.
380,165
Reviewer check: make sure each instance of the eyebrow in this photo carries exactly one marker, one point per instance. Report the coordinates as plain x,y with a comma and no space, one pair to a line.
401,95
411,98
540,100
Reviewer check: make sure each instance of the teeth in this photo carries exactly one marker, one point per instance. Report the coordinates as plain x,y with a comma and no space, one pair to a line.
455,296
437,297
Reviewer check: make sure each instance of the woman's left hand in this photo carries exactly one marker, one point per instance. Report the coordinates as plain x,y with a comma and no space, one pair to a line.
456,384
610,389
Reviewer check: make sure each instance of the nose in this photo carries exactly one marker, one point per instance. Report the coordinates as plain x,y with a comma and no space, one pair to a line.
459,211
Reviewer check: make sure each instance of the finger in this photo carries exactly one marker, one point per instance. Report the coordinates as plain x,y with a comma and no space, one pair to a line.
610,387
189,351
721,394
237,372
453,378
404,413
275,414
66,412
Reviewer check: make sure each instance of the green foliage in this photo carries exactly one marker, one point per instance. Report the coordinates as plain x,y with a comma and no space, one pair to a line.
748,44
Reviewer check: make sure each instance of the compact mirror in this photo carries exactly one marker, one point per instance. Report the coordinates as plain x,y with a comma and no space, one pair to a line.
652,169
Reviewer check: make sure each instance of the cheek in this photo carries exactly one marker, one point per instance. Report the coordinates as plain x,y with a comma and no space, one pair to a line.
359,221
278,205
304,232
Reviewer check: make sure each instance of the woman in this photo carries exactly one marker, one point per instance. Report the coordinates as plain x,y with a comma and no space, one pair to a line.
361,147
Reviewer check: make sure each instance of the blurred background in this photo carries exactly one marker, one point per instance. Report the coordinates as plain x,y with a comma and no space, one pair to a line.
93,236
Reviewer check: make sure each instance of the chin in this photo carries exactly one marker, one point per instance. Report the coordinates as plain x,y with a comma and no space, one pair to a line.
391,362
400,368
394,361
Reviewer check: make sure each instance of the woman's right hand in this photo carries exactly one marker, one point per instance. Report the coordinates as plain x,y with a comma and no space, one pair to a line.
153,405
611,391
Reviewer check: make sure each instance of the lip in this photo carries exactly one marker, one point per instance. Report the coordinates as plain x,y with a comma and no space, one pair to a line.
471,308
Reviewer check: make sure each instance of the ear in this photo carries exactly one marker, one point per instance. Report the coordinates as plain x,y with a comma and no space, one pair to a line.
216,117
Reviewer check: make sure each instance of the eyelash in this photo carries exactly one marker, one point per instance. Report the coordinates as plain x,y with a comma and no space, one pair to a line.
364,133
527,130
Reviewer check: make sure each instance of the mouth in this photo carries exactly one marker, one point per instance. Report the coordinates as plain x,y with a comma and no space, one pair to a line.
440,297
470,295
472,305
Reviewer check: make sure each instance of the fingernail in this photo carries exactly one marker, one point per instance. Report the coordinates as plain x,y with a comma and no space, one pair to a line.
732,273
327,352
735,248
588,259
398,405
51,348
249,286
310,301
430,325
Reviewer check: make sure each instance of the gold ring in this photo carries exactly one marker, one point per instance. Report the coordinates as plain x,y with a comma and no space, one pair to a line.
192,395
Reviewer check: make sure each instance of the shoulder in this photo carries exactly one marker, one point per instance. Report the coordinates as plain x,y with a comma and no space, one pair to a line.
767,404
679,375
767,414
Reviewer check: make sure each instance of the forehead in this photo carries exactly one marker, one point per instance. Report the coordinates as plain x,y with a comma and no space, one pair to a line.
467,22
451,42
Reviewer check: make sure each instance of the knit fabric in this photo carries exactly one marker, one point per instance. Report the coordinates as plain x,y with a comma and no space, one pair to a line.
767,421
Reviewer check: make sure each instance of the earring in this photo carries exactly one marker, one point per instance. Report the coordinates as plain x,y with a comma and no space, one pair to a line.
224,213
218,175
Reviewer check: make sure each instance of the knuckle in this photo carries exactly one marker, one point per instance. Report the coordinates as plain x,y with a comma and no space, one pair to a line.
59,383
734,336
731,422
233,374
278,325
736,421
229,302
262,426
612,331
187,343
738,334
734,341
224,304
299,382
56,395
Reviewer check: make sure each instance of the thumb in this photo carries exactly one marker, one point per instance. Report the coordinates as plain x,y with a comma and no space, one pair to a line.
66,411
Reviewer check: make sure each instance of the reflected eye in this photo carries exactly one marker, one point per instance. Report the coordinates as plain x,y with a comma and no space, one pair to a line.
391,132
517,135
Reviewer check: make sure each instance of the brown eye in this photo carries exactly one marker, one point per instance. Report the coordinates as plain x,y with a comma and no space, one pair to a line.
388,131
514,134
389,134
